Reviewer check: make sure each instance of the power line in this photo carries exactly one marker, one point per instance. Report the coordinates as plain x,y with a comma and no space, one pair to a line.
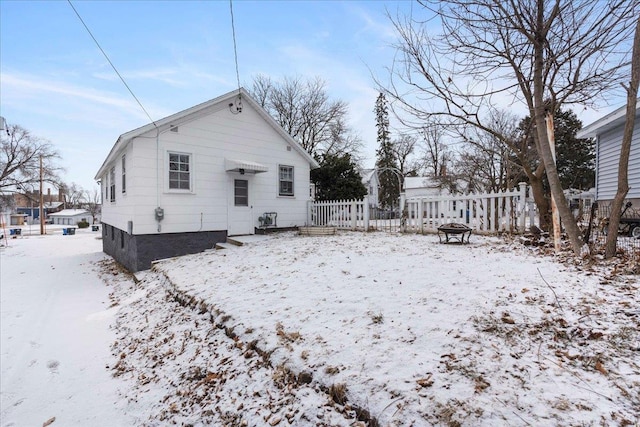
113,66
235,50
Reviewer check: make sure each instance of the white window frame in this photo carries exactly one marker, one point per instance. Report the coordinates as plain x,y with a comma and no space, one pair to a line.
112,184
124,174
281,180
191,162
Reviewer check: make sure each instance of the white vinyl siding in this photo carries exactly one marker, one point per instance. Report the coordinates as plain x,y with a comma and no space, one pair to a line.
608,157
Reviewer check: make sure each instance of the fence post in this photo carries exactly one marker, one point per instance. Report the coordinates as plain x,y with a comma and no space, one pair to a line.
365,213
523,204
309,215
354,214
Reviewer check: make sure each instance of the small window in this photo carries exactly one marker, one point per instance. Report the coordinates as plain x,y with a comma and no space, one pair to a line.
179,171
105,185
112,184
241,192
286,181
124,175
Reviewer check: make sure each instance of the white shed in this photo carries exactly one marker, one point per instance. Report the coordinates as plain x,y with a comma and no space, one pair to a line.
186,182
70,217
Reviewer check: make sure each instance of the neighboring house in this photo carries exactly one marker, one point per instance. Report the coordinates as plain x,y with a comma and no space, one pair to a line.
29,203
424,186
608,134
33,211
70,217
371,183
186,182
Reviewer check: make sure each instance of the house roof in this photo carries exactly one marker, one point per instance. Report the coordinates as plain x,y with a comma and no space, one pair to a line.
198,111
70,212
413,182
367,174
610,121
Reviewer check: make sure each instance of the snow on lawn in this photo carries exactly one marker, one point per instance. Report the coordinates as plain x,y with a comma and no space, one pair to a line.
419,333
55,334
347,330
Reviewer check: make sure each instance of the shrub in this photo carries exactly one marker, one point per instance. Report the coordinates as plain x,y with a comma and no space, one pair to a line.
83,224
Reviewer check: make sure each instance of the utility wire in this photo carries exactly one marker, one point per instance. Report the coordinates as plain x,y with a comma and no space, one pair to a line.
235,50
113,66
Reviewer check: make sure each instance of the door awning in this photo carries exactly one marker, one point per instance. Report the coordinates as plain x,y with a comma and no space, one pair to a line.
244,166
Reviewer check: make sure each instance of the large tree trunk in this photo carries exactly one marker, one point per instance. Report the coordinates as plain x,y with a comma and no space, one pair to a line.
625,148
544,150
542,202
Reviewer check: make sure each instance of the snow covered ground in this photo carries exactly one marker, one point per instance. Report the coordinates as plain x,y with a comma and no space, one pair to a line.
341,330
55,333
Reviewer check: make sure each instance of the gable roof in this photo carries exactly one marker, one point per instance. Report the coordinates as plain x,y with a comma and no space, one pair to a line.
198,111
415,182
367,175
70,212
610,121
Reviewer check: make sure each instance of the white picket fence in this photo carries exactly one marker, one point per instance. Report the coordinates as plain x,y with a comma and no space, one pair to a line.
503,211
342,214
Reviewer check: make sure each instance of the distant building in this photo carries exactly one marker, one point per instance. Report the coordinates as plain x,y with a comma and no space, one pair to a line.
371,183
70,217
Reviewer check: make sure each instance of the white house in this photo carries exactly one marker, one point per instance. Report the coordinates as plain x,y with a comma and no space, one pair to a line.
423,186
371,183
608,134
186,182
70,217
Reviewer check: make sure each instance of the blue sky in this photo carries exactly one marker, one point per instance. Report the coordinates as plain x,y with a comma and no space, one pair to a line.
175,54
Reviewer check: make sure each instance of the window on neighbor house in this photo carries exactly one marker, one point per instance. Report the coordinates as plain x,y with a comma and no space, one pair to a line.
124,175
179,171
112,184
286,181
241,192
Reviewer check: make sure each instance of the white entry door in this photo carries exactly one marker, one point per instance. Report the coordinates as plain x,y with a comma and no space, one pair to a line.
240,211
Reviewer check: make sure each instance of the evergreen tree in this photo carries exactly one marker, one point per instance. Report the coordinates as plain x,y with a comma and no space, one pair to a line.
389,190
337,178
575,158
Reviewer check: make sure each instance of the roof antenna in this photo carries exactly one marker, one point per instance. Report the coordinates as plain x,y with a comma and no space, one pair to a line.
238,103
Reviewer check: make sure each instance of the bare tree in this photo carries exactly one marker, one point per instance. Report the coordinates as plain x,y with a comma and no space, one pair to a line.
73,195
403,148
91,202
20,154
537,53
304,110
625,148
435,153
487,163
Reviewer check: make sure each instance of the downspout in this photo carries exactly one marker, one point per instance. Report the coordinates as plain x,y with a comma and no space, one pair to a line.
158,165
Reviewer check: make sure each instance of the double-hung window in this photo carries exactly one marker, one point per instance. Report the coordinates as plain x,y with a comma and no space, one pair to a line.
285,179
124,175
112,184
179,171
